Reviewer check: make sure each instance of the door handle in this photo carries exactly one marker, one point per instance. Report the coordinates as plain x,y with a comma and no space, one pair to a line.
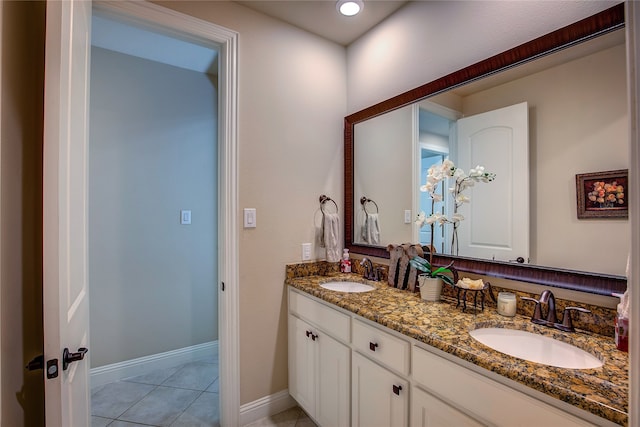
68,357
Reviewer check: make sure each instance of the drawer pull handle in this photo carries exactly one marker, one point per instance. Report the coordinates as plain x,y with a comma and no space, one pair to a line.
396,389
314,336
309,334
372,346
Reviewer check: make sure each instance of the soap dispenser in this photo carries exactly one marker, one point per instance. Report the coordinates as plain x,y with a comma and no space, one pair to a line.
345,262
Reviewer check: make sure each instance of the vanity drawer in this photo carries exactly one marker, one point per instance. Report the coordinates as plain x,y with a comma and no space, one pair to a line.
326,318
381,346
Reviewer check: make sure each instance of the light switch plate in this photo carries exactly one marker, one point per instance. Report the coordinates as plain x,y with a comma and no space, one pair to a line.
407,216
249,218
185,217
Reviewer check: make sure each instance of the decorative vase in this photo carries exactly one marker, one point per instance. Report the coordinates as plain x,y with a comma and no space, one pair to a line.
430,287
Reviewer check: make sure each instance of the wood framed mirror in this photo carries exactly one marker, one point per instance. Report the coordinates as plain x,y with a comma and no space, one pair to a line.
590,28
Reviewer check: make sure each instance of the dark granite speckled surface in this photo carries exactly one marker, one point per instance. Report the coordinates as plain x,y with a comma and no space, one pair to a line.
602,391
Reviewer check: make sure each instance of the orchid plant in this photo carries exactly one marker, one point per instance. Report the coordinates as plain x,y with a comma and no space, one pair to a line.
461,181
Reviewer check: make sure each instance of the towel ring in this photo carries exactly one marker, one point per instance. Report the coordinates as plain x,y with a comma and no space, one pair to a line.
364,201
324,199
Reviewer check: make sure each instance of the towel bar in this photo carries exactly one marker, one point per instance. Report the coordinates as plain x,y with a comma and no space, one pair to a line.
364,200
324,199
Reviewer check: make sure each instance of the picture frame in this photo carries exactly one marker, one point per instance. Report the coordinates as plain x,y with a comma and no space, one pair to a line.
603,194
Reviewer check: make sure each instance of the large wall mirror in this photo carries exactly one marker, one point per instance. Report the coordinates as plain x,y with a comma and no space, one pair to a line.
570,87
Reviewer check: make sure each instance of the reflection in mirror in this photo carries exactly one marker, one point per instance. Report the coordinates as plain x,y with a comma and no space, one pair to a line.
383,156
575,100
570,112
480,221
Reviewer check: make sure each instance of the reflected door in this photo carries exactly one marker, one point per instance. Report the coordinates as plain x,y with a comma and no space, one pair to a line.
496,224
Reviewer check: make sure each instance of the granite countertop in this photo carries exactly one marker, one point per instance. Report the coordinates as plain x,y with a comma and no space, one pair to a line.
603,391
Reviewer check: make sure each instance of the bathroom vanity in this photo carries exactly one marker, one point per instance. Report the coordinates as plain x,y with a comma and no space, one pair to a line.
387,358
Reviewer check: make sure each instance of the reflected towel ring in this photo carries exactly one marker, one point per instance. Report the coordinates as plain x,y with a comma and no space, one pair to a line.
324,199
364,201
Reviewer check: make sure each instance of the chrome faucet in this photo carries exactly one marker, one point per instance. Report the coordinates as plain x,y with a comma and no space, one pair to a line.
370,272
551,319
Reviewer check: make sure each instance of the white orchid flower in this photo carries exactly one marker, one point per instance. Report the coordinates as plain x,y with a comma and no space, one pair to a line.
457,217
478,171
436,197
421,219
447,167
461,198
459,173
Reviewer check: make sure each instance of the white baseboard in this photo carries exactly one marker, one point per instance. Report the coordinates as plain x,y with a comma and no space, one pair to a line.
266,406
144,365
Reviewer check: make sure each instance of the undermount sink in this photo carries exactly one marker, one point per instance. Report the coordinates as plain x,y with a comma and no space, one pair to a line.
347,286
536,348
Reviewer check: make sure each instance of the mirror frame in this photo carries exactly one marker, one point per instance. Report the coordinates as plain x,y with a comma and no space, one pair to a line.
606,21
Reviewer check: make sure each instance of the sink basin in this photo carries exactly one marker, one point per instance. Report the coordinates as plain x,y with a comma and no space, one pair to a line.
536,348
347,286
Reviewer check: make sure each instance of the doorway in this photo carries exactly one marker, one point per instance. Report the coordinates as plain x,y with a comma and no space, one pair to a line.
152,227
66,101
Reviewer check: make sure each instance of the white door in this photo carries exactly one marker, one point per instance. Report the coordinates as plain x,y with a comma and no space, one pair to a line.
302,364
428,411
379,397
66,304
496,224
333,377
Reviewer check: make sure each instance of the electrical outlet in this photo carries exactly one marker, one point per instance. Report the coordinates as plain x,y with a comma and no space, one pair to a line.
306,251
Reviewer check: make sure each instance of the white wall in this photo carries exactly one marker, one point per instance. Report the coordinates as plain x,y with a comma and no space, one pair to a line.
152,152
292,99
425,40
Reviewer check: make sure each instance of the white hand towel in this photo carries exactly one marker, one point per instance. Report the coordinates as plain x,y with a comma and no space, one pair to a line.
331,226
371,229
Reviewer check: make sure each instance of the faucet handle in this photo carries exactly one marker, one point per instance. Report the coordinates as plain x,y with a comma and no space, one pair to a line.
537,311
567,323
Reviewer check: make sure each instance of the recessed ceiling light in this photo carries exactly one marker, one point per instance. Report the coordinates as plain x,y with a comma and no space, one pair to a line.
349,7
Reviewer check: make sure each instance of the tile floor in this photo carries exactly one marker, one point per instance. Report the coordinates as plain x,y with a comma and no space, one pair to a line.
182,396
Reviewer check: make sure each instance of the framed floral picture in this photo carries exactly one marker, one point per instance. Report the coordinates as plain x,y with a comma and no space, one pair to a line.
603,194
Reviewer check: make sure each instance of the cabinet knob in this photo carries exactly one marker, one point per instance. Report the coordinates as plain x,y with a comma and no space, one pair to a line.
309,333
314,337
396,389
372,346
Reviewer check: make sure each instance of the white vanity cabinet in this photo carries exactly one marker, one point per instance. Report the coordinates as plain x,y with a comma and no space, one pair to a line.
319,365
379,397
429,411
487,400
347,371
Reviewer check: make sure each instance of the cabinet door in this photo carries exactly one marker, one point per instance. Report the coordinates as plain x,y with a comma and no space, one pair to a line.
379,397
333,403
429,411
302,364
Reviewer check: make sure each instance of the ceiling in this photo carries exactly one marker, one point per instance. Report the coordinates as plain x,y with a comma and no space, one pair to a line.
320,17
